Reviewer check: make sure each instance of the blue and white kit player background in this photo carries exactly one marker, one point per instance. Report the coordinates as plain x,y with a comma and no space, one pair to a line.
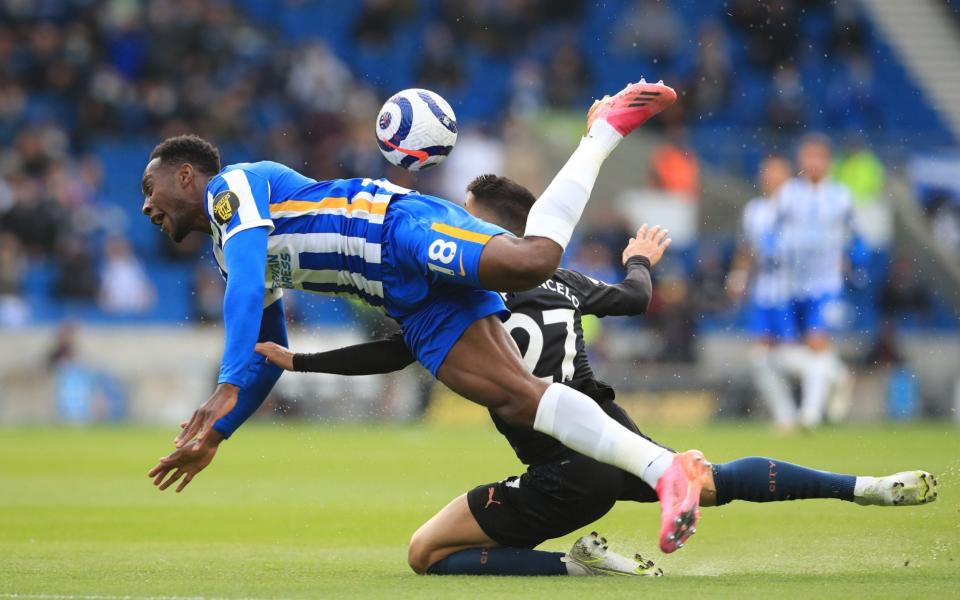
761,273
815,223
428,264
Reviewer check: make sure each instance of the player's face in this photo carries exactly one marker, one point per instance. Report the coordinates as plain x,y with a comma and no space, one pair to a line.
814,161
166,201
773,173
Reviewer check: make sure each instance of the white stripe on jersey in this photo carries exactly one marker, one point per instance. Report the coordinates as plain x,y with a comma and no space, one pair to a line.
295,243
815,221
237,181
771,279
345,278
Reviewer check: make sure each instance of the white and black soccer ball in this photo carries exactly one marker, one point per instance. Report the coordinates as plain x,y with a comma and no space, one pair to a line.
416,129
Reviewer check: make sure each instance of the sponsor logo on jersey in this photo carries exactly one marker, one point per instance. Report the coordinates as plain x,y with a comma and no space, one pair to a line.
225,204
281,270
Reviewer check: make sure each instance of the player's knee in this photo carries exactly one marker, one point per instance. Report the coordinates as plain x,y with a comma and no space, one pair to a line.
418,553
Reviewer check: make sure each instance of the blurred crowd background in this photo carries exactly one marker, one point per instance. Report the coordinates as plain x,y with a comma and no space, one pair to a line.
87,87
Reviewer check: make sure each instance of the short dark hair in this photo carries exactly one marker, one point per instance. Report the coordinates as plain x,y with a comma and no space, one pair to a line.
192,149
506,199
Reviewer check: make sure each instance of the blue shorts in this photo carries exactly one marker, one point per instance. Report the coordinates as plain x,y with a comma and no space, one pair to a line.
431,284
813,314
772,322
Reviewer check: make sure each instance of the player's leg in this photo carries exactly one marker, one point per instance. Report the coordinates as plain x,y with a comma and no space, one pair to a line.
772,385
452,529
761,479
485,366
823,367
512,264
507,519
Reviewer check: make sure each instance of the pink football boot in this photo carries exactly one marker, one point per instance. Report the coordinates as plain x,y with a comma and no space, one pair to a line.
679,493
632,106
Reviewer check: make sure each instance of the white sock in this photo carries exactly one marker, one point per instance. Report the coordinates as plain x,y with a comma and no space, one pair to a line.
580,424
557,211
772,386
817,379
861,484
792,358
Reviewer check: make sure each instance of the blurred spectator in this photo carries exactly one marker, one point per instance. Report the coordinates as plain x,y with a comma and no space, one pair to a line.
863,173
651,28
675,168
207,294
440,66
849,30
125,288
567,77
903,294
318,81
609,229
499,28
593,259
528,96
76,278
771,30
83,394
33,217
673,315
13,309
711,82
788,102
944,216
477,152
380,19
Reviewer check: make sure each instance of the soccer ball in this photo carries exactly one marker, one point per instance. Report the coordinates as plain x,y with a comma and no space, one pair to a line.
416,129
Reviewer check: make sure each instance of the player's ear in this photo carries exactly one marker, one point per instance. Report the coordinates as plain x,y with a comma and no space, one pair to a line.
185,175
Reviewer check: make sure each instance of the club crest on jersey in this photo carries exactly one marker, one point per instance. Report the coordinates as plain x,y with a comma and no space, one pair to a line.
225,205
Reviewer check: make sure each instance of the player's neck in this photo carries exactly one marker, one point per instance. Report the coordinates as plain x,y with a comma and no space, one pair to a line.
201,223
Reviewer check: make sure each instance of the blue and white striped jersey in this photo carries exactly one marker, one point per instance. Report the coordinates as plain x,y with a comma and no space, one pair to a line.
816,222
325,236
771,279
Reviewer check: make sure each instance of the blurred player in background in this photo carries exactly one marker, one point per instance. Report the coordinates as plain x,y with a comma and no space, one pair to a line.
761,267
815,222
494,528
428,263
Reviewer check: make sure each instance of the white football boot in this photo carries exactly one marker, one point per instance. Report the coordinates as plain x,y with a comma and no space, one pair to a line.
908,488
590,556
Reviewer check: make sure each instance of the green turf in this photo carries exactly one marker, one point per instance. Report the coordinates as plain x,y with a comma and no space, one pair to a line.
309,511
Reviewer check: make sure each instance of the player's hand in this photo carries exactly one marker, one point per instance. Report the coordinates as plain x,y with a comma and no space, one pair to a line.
276,355
185,462
650,242
201,423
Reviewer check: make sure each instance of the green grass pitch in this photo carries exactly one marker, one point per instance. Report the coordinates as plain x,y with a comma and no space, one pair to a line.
313,511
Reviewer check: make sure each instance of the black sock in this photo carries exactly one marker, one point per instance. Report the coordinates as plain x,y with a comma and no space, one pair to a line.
500,561
757,479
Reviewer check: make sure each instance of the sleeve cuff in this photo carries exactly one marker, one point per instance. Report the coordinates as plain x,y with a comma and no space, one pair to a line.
638,261
244,226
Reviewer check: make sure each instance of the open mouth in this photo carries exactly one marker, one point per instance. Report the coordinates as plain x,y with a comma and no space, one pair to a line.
157,220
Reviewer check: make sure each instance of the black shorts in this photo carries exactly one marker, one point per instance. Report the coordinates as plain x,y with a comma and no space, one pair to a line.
552,500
